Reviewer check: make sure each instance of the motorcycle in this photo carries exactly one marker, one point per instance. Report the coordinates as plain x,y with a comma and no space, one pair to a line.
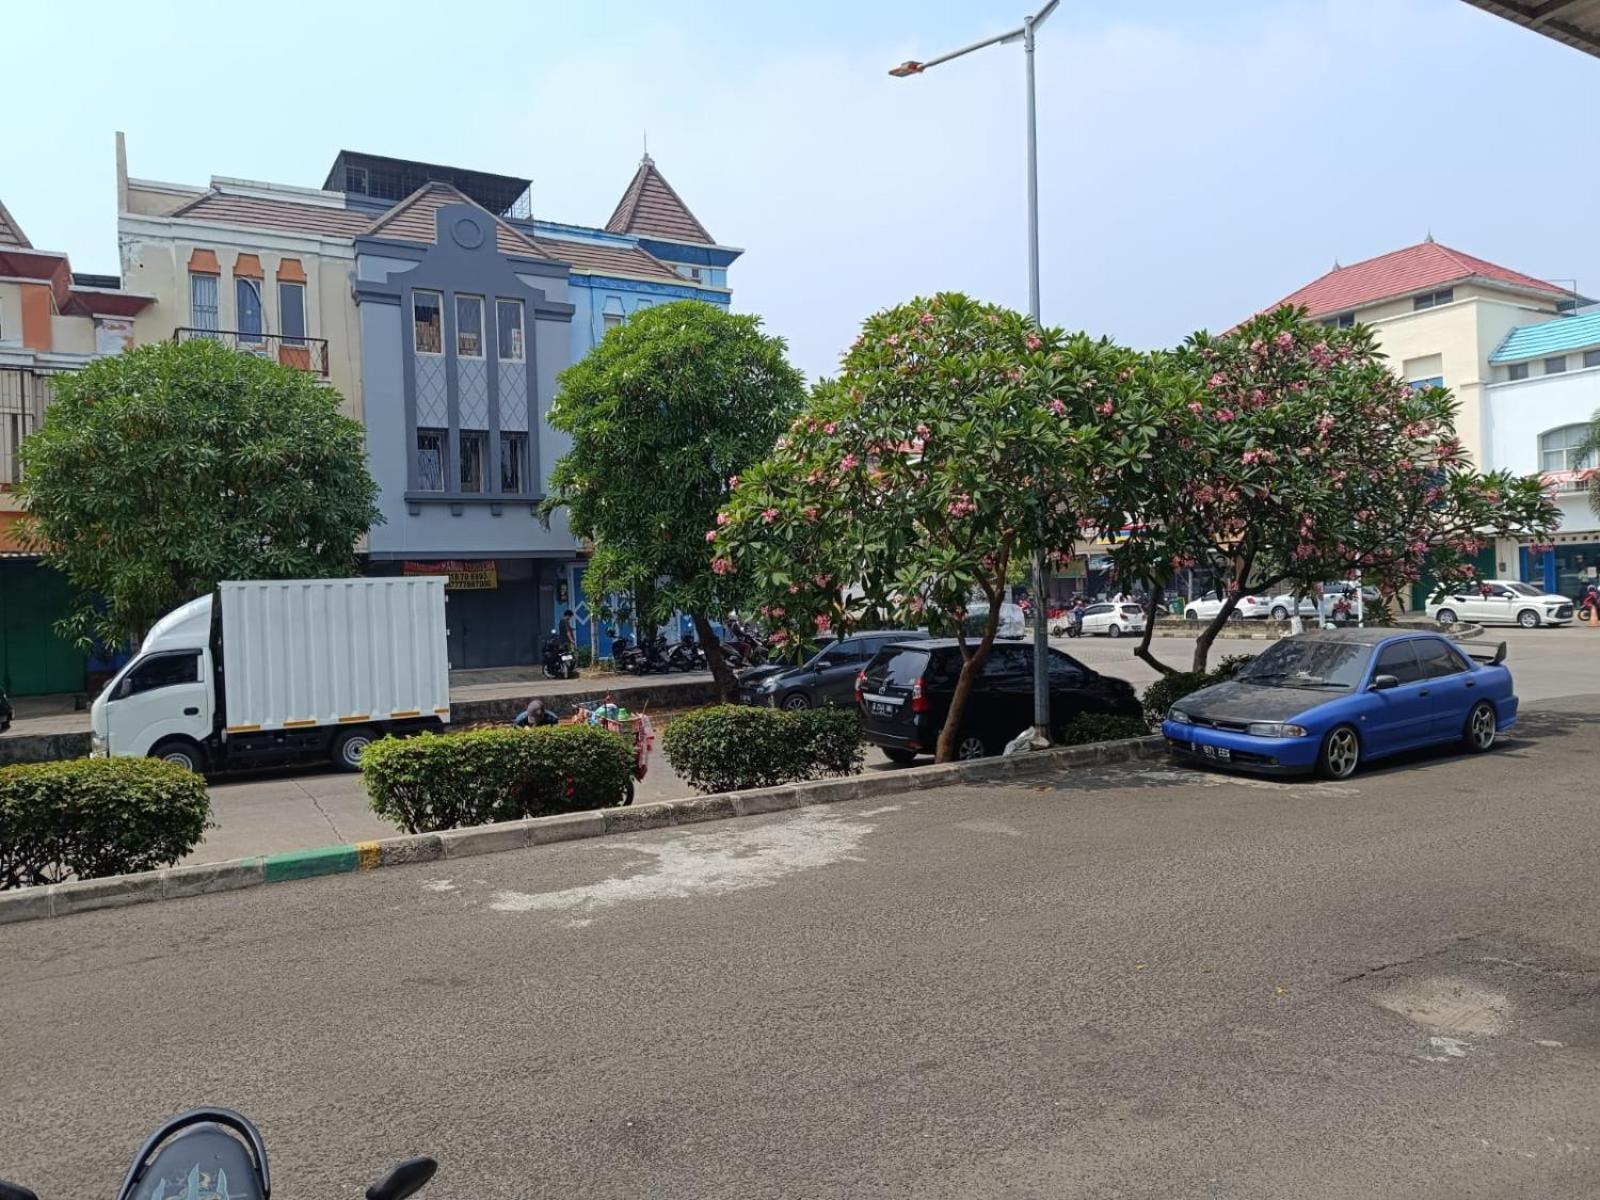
686,655
629,658
559,661
217,1154
750,646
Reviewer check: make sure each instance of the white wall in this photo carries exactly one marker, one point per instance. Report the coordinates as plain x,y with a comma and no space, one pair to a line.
1516,413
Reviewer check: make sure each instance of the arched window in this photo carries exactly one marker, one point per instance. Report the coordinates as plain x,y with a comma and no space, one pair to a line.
1558,449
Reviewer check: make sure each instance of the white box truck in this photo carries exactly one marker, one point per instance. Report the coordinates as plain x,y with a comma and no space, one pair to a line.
282,671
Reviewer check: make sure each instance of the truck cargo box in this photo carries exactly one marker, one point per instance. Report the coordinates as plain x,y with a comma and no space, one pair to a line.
306,652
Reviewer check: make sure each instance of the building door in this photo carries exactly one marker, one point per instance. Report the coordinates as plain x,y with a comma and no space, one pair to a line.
36,660
496,626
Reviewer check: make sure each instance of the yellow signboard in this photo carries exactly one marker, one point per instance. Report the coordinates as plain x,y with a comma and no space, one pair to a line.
461,575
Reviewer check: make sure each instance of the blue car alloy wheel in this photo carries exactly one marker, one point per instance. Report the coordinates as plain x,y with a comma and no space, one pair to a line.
1341,753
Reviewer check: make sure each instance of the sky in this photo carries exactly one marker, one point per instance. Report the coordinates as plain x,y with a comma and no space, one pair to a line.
1198,160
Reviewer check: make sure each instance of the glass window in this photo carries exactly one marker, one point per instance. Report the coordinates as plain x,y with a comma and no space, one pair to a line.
1422,385
1558,449
427,322
514,463
1095,610
1591,358
846,652
1309,664
1433,299
1517,371
904,667
292,312
471,477
611,317
1525,589
1063,671
469,326
1439,658
203,301
165,670
1555,364
430,460
1400,660
355,179
247,294
508,321
1007,661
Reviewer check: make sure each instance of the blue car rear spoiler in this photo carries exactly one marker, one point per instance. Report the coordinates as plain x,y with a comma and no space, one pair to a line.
1493,659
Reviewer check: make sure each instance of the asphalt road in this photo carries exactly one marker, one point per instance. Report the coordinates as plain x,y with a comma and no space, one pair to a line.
275,811
1147,982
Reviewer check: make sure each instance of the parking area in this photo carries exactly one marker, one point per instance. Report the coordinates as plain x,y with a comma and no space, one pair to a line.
299,810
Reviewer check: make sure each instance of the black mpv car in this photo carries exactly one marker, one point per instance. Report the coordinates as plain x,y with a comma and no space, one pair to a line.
905,695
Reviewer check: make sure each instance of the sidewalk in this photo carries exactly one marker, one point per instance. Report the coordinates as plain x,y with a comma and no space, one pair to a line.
44,715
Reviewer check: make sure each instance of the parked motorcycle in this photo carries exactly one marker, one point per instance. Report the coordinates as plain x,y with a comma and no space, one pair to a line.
686,655
751,646
628,657
559,660
212,1153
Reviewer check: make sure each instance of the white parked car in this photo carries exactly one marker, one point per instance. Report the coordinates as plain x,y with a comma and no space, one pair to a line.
1501,602
1208,606
1282,606
1114,620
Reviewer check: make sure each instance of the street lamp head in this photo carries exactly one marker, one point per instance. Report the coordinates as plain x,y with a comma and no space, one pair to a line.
909,67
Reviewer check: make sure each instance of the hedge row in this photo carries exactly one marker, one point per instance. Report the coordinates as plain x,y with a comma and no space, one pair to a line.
731,747
1169,689
1101,727
89,817
443,781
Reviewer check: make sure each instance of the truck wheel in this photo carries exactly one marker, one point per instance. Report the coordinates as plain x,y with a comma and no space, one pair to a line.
347,748
181,752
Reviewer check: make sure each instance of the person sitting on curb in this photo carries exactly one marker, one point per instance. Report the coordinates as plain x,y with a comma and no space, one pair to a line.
534,715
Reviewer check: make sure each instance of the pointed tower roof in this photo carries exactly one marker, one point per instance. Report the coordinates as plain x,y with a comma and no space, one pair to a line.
650,208
10,232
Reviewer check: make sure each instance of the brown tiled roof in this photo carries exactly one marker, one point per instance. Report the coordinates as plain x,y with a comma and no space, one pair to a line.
255,213
10,232
608,260
413,220
650,206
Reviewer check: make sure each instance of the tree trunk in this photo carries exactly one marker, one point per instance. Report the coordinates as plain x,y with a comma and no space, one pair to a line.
712,645
1142,651
971,667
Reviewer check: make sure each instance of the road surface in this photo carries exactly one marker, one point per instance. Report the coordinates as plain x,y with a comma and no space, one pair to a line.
1147,982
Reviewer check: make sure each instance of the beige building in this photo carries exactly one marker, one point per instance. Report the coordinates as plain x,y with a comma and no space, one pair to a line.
263,267
1438,315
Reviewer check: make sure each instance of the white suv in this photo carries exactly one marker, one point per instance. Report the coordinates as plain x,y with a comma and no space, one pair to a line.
1209,605
1501,602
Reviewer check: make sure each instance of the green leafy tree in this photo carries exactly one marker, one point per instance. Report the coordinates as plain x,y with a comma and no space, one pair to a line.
662,414
1589,453
1295,454
164,470
958,438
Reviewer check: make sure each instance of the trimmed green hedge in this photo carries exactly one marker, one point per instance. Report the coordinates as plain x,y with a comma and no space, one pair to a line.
1102,727
443,781
90,817
731,747
1166,691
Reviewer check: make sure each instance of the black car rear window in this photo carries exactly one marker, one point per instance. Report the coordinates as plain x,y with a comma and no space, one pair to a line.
900,667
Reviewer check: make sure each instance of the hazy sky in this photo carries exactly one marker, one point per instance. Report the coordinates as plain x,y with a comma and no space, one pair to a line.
1200,158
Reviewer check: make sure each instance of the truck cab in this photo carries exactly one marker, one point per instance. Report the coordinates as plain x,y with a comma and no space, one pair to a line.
163,702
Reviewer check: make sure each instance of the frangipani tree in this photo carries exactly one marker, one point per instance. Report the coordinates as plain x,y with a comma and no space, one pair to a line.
957,438
1297,455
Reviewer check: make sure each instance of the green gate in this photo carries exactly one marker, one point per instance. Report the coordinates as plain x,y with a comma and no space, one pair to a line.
34,660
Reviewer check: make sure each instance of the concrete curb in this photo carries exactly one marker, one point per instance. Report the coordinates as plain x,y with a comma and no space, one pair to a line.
63,899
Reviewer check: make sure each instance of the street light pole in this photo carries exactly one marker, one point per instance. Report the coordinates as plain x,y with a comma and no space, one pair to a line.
1041,577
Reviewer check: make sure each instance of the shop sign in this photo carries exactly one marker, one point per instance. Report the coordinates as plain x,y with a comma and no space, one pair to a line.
460,575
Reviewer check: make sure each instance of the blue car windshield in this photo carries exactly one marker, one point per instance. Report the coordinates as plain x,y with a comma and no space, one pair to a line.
1307,663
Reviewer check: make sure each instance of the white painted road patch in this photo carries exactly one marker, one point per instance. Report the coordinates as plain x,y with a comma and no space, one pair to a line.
705,864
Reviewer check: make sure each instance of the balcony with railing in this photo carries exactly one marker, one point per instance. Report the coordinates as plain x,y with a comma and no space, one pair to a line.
306,353
24,395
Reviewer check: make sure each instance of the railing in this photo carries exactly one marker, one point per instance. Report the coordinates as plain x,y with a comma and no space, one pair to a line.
24,395
306,353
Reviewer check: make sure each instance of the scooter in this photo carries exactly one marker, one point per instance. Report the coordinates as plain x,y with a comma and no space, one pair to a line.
628,658
217,1154
686,655
559,662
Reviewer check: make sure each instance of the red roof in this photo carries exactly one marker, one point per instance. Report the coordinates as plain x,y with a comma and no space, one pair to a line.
1401,272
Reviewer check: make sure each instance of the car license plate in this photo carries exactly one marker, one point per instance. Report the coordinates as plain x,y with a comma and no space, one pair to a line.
879,709
1218,752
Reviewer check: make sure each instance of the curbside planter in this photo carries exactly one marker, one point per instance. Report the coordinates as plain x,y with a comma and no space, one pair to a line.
29,904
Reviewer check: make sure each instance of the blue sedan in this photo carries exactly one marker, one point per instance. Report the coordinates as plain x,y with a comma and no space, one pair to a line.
1329,700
